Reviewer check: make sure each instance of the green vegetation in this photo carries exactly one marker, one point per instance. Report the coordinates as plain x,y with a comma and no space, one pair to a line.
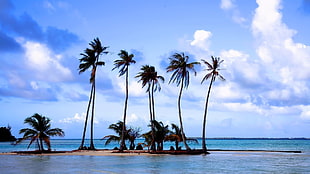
6,135
40,132
129,134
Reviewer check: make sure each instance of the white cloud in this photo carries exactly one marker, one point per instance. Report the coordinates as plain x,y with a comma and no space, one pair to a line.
132,118
287,60
228,91
226,4
44,63
134,88
201,39
251,72
229,5
243,107
77,118
305,113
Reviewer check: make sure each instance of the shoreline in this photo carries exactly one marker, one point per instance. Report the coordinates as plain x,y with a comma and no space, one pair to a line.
101,152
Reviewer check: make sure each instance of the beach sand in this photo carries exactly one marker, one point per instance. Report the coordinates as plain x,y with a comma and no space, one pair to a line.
130,153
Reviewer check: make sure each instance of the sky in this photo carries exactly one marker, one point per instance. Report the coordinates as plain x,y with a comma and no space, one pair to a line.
265,46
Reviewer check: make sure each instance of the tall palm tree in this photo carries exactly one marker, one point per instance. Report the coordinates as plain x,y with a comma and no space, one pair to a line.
40,131
91,60
180,67
149,77
123,64
213,72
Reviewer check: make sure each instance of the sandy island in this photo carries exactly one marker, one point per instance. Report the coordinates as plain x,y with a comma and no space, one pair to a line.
135,152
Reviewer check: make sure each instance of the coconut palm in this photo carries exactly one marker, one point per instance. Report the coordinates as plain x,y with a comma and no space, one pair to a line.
40,132
117,128
133,134
89,60
213,72
123,64
180,67
176,136
160,132
149,77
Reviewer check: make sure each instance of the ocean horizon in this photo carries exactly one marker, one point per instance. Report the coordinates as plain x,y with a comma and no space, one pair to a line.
215,162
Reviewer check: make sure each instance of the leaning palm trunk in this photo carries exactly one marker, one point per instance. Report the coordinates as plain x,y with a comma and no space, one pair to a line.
92,146
180,117
86,119
41,148
151,120
204,147
153,102
122,145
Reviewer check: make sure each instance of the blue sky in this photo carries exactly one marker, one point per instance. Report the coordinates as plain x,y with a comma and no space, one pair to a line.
265,46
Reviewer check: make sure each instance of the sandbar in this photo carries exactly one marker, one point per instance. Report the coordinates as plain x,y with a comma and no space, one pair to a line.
131,152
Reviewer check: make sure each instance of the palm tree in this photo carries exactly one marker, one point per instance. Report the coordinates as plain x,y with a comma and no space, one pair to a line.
213,72
160,132
133,134
117,128
40,131
180,67
89,60
175,136
123,64
149,77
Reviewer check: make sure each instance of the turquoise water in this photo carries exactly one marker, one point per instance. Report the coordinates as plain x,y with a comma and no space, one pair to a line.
216,162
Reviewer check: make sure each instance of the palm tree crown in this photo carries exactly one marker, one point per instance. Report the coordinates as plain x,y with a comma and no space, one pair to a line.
180,67
90,58
124,62
213,69
148,75
40,131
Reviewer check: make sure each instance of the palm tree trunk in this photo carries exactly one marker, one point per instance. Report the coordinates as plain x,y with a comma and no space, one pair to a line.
151,120
92,146
180,117
86,119
122,145
41,145
38,144
204,147
153,102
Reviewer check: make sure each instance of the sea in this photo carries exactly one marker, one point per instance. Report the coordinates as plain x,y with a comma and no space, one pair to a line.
234,160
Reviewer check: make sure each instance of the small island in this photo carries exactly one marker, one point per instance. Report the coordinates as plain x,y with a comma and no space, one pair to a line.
6,135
